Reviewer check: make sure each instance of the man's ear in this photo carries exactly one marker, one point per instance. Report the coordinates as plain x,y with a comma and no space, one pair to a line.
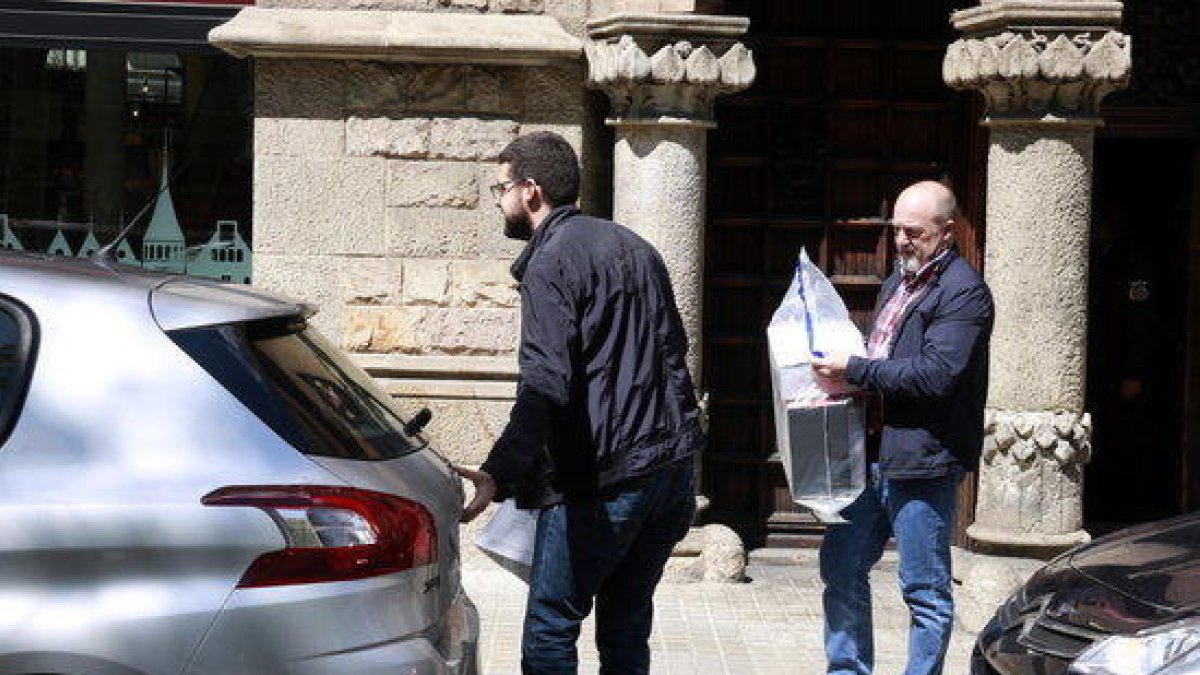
948,235
533,196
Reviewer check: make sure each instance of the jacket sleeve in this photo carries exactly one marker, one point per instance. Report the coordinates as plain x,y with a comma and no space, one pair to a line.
959,324
516,453
549,341
549,332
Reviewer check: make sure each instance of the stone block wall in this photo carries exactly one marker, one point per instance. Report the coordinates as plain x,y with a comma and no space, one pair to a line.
572,14
371,200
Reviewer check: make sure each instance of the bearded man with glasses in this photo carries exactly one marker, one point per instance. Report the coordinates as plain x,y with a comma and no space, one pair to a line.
605,427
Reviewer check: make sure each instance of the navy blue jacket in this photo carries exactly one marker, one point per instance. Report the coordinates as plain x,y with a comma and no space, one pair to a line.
605,395
934,384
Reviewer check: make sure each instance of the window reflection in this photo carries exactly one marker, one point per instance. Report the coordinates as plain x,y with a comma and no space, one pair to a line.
88,138
10,342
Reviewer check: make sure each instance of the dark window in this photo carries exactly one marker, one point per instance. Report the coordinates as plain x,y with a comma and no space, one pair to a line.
16,358
87,136
302,387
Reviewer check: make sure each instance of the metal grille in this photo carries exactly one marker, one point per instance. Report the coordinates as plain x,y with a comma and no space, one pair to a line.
1057,638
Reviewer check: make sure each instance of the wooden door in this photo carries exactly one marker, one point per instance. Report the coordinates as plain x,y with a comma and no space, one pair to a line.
1137,338
1144,321
848,108
1189,475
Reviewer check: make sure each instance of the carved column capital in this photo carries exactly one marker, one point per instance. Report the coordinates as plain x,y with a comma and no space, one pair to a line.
667,70
1027,438
1033,76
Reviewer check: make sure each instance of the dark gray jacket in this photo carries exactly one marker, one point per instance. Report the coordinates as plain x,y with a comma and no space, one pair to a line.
605,395
934,383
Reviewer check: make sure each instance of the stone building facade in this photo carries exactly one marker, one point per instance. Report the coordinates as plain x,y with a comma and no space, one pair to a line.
377,126
376,134
378,122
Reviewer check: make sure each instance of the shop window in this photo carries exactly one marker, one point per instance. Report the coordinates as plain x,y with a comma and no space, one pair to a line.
89,138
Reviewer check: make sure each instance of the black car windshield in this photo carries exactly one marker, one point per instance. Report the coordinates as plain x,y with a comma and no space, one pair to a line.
302,387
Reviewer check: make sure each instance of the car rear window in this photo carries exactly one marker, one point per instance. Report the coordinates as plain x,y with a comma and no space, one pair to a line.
302,387
16,357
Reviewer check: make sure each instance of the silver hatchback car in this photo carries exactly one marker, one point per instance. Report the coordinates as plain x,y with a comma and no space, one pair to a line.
192,481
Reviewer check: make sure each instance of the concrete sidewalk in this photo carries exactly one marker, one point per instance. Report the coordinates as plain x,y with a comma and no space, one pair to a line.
768,625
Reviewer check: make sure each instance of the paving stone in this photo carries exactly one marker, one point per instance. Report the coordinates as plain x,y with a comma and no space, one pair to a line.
769,626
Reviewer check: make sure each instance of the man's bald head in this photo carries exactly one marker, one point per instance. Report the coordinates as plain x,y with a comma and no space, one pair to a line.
931,196
921,220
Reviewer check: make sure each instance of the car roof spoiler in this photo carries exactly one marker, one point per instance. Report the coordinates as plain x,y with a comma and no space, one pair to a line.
182,302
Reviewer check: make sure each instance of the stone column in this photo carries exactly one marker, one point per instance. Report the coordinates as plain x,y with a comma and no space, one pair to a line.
1043,68
662,73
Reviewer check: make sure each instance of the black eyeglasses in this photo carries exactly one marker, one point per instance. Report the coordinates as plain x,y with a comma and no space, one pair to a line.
910,229
498,189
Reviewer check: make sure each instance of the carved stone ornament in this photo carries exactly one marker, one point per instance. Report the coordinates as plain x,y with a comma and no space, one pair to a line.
1028,75
678,83
1028,438
1031,480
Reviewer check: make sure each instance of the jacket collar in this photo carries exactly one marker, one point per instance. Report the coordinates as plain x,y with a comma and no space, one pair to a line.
540,235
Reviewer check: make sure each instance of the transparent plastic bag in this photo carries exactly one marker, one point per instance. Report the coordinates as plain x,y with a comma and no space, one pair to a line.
819,425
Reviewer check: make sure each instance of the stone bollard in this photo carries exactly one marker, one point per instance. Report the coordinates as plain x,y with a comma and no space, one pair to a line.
708,553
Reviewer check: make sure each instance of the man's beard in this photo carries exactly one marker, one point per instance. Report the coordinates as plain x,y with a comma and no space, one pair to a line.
518,226
909,263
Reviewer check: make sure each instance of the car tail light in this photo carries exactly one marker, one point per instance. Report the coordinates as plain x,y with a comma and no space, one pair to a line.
334,533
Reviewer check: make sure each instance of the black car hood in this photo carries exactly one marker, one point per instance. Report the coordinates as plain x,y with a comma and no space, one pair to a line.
1157,563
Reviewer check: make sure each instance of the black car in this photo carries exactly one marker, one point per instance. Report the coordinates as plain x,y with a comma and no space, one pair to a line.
1124,604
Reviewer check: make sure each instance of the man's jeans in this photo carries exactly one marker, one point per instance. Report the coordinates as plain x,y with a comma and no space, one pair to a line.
920,514
612,550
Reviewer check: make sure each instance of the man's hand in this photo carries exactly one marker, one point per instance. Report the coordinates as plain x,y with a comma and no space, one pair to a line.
485,489
832,366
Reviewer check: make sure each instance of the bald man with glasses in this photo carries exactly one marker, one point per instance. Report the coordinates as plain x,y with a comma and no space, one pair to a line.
926,362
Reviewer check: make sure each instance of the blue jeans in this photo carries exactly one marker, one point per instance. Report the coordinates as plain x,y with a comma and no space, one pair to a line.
920,513
612,551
